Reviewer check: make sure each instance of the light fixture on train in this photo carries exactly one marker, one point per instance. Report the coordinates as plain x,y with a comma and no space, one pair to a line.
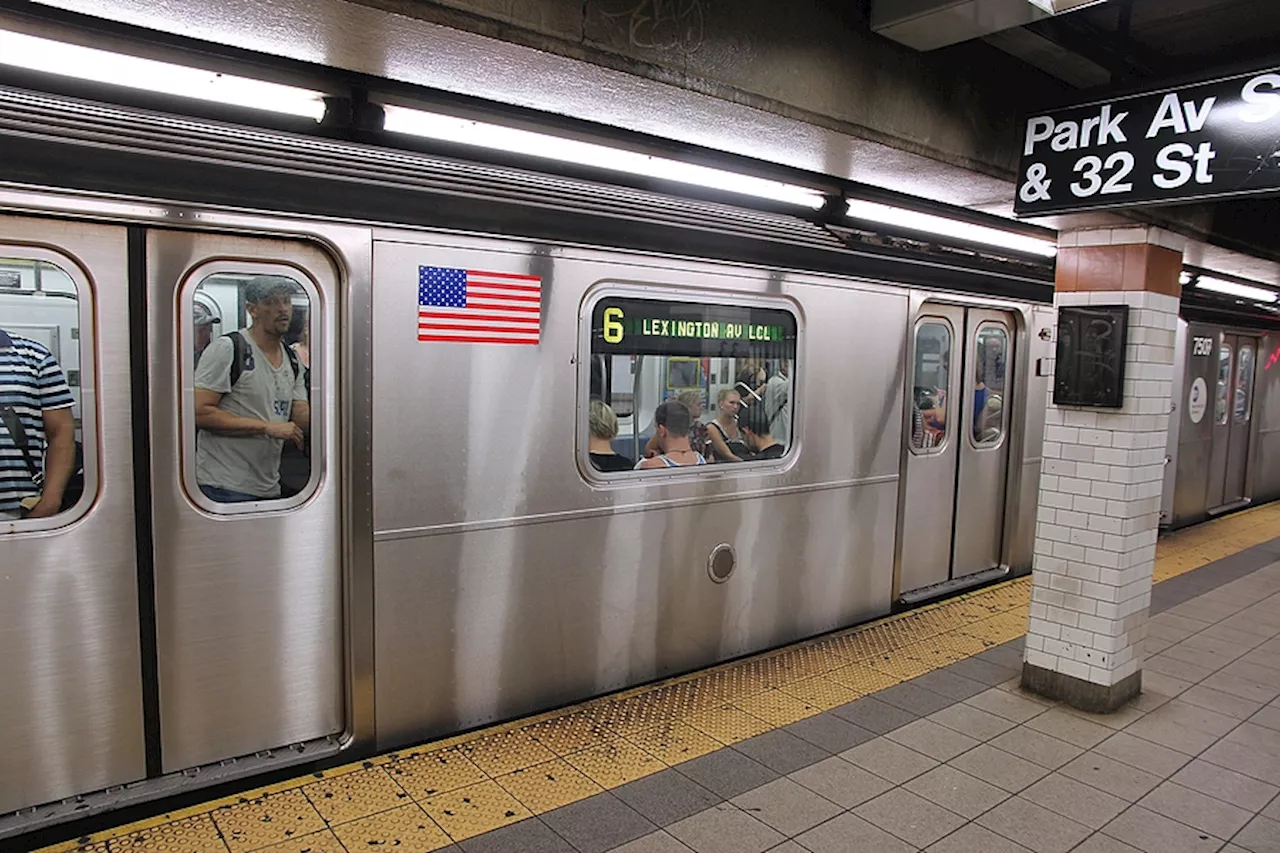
1231,288
941,226
462,131
117,69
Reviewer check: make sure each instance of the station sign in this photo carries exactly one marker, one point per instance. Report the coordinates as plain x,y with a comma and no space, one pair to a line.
642,326
1204,140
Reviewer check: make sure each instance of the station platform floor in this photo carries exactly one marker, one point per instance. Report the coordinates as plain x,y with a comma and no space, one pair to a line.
905,734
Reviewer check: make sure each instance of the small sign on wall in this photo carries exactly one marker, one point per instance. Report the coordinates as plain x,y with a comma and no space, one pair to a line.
1089,368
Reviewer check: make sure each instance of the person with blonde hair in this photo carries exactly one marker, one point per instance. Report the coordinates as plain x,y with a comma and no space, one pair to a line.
603,425
725,439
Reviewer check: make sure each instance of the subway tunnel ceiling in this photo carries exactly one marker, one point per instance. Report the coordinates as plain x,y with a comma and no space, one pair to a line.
1138,43
811,86
1106,48
1121,46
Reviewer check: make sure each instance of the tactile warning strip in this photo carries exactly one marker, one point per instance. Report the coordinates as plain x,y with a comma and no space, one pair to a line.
426,798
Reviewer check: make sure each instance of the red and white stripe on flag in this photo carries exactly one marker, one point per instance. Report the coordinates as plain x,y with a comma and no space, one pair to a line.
478,306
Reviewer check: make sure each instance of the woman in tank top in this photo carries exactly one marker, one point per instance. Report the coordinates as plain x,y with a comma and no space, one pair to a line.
726,443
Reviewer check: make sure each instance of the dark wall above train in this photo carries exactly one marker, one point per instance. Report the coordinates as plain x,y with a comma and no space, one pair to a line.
811,85
817,61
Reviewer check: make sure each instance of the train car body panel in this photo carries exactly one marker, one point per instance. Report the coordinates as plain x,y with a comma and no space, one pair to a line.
515,582
1223,437
72,670
1028,433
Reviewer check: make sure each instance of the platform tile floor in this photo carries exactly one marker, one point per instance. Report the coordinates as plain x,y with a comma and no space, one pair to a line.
906,734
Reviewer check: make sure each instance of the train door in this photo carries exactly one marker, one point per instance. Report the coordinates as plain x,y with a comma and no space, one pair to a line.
957,460
1232,413
1239,415
72,697
248,574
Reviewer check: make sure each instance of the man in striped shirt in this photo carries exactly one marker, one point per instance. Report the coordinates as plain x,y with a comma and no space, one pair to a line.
35,399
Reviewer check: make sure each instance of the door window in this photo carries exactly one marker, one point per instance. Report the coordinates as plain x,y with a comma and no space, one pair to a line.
991,355
1244,384
247,358
46,393
929,385
1224,382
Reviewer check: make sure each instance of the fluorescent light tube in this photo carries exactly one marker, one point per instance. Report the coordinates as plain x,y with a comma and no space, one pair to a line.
1184,278
1231,288
117,69
928,223
496,137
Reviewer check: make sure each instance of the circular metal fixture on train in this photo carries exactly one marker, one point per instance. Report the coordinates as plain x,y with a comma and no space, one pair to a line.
721,562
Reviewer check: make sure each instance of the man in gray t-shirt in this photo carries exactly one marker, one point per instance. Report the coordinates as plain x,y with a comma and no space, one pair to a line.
244,427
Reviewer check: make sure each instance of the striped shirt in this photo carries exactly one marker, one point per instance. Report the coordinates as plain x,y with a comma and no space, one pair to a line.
31,383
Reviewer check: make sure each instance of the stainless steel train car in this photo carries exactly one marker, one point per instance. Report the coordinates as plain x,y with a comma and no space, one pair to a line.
1224,433
451,554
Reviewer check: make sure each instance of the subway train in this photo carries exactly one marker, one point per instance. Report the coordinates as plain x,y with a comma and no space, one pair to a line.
451,552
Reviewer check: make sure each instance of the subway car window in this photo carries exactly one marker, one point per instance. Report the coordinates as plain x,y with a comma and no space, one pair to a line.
1224,379
250,386
613,379
988,384
41,394
682,384
929,392
1244,383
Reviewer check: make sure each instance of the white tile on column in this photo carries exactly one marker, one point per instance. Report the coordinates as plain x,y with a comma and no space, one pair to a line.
1100,493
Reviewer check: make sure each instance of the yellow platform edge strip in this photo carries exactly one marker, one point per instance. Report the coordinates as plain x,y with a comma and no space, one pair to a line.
445,791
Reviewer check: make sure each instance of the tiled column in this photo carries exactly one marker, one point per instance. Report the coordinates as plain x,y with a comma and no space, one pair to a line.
1101,479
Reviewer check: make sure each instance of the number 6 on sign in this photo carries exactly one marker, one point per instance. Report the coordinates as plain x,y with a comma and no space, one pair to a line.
613,325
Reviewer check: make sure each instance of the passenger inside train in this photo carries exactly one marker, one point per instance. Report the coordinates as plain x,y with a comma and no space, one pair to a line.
692,398
725,438
752,379
754,423
41,456
777,401
604,429
672,422
37,430
202,324
251,397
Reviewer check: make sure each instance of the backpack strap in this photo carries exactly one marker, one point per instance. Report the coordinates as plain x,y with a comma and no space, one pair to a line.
293,359
13,423
240,357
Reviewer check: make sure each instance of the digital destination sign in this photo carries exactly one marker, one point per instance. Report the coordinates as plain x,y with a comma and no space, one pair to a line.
641,326
1202,140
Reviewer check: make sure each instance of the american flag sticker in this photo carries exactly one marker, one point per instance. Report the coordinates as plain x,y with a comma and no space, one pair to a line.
478,307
